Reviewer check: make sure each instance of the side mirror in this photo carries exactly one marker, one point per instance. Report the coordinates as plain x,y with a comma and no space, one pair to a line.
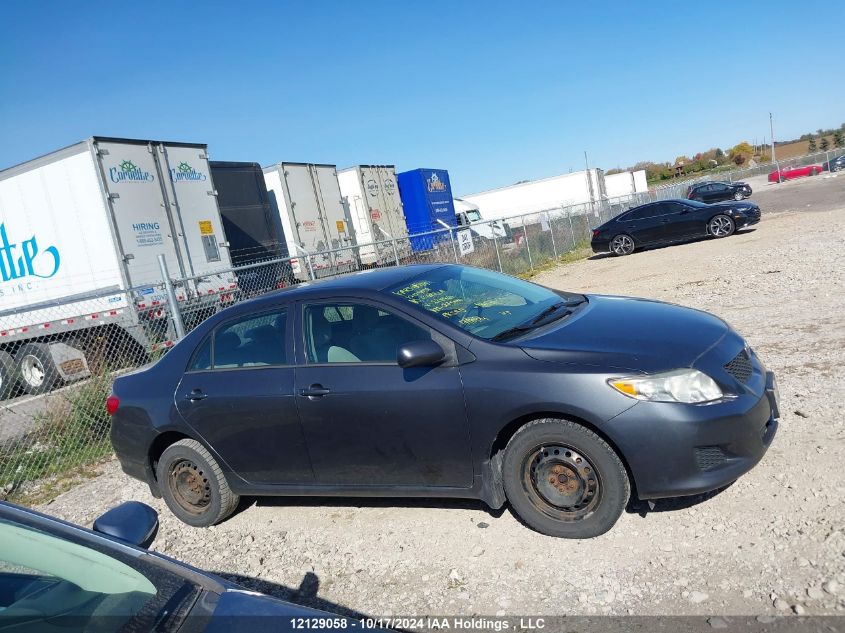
132,522
420,354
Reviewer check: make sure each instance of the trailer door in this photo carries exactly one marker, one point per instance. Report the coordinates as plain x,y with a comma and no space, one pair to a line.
131,182
196,215
338,233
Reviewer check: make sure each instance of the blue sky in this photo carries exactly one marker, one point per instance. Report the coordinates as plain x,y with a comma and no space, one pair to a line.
495,92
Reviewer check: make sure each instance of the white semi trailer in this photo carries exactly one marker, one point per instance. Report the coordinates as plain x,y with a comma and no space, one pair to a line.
81,230
308,200
374,208
548,194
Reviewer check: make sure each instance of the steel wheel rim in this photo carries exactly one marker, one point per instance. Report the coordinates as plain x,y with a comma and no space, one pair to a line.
33,371
190,486
622,245
561,482
720,226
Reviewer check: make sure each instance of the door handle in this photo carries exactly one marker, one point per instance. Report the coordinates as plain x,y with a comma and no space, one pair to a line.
314,391
196,395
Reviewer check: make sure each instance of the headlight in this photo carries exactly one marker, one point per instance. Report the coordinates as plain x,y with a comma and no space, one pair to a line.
681,385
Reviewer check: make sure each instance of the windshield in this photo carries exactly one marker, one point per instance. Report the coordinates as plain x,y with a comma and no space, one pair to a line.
44,576
474,216
483,303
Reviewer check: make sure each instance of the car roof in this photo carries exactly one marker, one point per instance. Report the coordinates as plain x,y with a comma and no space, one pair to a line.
372,280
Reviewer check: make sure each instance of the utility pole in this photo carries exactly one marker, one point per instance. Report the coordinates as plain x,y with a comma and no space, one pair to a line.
774,159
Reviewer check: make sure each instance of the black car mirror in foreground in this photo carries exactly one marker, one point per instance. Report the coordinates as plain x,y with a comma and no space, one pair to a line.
420,354
132,522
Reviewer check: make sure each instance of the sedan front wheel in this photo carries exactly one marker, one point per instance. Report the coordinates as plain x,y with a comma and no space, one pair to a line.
721,226
622,245
564,480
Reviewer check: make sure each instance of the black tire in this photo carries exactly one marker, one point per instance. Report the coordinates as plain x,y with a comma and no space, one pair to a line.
721,226
531,455
35,368
193,484
626,249
8,375
738,196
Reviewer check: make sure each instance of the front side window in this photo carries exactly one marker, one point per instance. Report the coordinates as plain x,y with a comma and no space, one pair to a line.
478,301
45,576
253,341
356,333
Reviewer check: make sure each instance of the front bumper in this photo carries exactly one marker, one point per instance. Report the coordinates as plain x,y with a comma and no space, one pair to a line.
676,450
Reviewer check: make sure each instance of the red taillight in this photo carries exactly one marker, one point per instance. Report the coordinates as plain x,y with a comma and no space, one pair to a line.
112,403
596,232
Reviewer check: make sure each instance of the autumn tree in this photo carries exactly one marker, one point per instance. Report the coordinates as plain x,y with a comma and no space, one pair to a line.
741,152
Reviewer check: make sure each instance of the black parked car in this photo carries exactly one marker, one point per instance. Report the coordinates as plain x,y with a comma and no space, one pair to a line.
670,221
837,164
718,191
56,576
447,381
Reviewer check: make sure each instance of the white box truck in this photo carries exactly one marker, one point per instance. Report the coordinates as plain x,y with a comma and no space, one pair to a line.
548,194
307,198
80,234
374,207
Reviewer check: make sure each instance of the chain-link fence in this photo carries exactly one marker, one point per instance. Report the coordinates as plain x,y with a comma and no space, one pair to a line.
57,360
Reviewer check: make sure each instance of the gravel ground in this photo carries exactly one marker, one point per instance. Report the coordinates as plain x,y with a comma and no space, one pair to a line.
773,543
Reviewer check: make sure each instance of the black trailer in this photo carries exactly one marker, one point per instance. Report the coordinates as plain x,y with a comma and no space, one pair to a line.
254,231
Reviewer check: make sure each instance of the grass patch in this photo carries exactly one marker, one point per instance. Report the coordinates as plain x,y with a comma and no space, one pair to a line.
69,435
581,251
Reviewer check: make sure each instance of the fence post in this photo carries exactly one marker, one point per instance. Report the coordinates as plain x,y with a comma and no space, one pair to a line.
527,244
552,233
178,325
571,229
496,246
454,248
395,250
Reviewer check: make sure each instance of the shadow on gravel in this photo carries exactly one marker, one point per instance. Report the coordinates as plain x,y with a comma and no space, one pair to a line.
304,595
671,504
660,247
368,502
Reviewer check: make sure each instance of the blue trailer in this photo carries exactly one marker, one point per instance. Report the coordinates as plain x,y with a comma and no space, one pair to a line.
426,198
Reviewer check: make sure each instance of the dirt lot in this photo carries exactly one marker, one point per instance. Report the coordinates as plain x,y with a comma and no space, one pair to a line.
774,542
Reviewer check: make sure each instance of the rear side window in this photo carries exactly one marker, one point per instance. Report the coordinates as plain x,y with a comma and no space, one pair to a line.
254,341
642,213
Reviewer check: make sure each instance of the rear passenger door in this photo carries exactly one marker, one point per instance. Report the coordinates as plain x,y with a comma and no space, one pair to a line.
367,421
238,396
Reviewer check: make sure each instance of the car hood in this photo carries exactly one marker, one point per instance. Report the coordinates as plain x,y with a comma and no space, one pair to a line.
626,333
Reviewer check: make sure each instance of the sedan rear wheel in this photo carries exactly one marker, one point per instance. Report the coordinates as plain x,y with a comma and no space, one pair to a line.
738,196
622,245
564,480
193,484
721,226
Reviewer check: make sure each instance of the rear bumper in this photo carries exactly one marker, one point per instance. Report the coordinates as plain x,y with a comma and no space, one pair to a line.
676,450
600,246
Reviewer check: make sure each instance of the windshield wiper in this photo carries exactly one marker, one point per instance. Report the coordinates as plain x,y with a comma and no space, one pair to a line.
537,321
